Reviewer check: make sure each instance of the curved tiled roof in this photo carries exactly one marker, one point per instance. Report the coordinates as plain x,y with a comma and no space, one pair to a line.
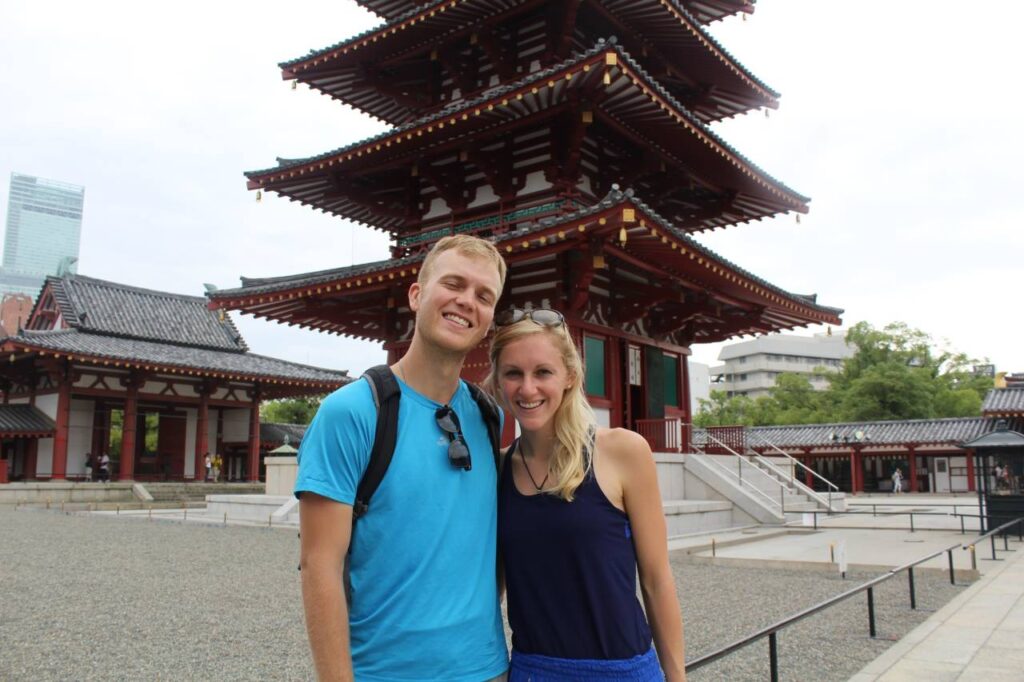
139,351
24,420
705,11
951,431
1004,401
539,76
102,307
275,433
257,286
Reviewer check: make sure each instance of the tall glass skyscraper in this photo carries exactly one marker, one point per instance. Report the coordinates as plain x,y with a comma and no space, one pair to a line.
44,227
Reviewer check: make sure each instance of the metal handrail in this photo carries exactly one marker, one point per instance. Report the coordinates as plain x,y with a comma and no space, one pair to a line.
739,475
806,490
831,486
771,631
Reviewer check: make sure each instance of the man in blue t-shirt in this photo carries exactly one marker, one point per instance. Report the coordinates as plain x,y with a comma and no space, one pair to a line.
423,559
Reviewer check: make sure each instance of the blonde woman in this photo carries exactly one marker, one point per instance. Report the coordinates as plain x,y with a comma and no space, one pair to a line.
579,513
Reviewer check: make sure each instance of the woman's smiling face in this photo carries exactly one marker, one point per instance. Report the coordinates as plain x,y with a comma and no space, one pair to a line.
533,379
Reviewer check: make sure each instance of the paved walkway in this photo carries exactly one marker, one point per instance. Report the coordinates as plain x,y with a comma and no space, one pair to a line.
976,637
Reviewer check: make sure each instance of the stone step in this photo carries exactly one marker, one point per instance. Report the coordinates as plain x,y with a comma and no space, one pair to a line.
198,491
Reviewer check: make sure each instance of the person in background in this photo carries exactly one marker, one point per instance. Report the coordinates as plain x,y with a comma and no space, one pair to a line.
90,464
579,514
897,481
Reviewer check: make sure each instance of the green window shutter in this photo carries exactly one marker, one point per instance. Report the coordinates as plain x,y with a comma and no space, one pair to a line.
671,380
593,353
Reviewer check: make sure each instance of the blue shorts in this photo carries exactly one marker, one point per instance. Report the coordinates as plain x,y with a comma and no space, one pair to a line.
536,668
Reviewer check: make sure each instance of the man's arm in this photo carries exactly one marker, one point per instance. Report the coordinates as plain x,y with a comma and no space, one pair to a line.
326,529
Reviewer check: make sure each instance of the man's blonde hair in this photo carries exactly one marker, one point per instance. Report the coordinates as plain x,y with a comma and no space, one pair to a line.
467,245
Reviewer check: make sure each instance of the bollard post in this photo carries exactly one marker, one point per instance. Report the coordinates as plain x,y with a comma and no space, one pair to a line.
1006,542
871,611
952,574
974,558
712,548
150,513
831,552
773,656
962,532
911,522
185,517
118,511
270,521
815,520
913,594
225,518
993,539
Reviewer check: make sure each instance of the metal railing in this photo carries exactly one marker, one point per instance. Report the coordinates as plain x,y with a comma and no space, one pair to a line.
771,631
806,490
738,474
830,486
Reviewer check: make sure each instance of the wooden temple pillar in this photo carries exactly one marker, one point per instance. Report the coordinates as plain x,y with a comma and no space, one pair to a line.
856,471
59,468
912,469
971,483
202,432
809,463
253,469
129,427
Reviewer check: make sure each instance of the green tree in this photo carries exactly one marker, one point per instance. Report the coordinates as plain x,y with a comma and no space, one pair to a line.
290,410
896,372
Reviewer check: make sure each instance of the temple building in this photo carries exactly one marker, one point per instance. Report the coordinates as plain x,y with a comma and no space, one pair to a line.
576,137
155,379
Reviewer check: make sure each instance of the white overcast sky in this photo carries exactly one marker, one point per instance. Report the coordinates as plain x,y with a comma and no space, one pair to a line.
900,120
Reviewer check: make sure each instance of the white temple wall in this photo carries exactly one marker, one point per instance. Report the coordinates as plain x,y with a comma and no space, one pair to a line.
191,417
80,422
47,404
44,457
236,426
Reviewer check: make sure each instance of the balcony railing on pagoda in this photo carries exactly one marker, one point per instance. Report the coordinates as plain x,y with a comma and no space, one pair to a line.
490,222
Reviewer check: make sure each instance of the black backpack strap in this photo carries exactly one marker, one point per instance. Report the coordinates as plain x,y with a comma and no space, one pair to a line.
492,419
386,394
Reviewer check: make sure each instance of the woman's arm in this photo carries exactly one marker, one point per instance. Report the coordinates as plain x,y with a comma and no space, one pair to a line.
642,501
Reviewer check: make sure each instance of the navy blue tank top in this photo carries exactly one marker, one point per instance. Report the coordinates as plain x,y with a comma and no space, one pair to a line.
570,573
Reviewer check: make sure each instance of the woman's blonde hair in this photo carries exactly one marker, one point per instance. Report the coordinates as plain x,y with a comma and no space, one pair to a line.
575,423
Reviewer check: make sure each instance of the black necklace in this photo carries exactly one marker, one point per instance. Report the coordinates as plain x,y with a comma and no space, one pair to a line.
529,473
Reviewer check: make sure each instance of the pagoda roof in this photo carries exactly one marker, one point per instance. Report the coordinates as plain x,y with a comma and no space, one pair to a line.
314,300
101,307
843,436
130,353
633,103
1004,402
25,421
705,11
340,70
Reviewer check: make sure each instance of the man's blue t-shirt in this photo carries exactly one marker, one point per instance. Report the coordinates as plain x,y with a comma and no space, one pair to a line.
422,563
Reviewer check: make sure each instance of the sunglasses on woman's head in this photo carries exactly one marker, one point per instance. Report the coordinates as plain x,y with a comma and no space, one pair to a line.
458,450
545,317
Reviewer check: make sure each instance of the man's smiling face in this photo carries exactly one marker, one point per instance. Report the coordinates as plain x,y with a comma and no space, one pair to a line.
455,305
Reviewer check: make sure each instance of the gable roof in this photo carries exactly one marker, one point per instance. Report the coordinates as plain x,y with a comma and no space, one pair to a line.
108,308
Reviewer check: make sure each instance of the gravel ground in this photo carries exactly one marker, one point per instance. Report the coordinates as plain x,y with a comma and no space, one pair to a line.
88,598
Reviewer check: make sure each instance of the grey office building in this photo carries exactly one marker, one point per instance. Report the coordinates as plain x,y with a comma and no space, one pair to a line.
44,227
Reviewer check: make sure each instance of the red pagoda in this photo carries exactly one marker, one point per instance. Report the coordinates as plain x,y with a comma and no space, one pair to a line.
575,136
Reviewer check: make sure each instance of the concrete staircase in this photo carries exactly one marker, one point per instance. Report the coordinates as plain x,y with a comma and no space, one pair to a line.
197,492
